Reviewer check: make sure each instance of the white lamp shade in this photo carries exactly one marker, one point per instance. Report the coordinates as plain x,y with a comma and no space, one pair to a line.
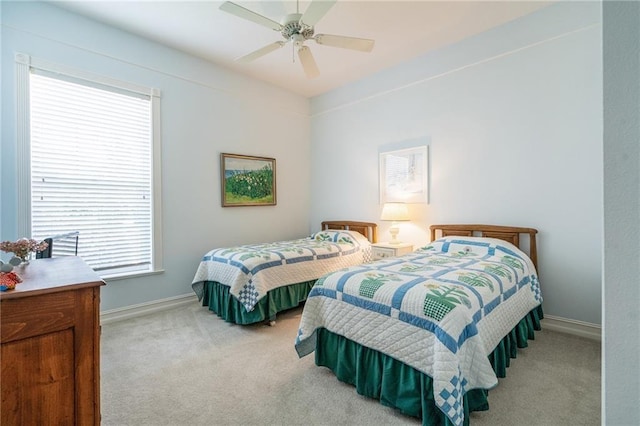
395,212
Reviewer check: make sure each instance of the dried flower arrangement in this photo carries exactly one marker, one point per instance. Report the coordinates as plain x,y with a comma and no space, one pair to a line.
23,247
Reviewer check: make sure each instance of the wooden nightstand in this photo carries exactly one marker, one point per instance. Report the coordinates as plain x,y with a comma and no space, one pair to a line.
385,250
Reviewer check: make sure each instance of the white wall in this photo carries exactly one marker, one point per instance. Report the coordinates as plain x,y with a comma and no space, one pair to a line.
513,120
621,317
206,110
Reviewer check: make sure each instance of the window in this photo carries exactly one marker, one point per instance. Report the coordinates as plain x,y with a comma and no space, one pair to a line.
93,167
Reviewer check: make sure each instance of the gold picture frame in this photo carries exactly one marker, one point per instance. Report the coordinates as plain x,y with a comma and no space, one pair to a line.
247,180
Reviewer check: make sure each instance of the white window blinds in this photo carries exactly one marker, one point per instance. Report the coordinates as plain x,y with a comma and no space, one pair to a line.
91,170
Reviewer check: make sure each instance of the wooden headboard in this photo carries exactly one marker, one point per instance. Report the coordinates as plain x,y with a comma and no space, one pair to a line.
506,233
368,229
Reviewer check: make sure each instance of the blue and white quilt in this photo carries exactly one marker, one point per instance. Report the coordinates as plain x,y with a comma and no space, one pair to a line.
252,270
442,310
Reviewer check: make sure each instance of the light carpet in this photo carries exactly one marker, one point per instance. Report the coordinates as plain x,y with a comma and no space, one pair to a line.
186,366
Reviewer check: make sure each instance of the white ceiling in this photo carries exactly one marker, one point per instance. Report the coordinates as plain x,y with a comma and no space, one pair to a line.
402,30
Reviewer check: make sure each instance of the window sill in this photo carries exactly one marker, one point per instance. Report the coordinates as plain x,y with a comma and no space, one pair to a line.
128,275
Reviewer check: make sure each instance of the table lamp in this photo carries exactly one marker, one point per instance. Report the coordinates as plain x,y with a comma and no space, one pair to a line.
395,212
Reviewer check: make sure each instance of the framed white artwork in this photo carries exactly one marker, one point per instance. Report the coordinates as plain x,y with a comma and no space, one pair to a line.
404,175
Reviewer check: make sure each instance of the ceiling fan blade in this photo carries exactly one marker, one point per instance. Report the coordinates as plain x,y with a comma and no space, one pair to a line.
249,15
308,63
316,10
353,43
261,52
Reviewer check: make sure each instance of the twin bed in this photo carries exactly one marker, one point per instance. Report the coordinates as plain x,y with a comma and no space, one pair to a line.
427,333
252,283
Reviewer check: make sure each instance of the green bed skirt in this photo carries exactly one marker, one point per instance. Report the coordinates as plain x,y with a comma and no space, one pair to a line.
397,385
219,300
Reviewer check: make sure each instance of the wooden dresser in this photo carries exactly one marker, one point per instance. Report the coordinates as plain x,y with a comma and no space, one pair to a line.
50,335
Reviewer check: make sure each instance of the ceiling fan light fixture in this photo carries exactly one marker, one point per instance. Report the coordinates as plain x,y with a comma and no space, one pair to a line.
298,28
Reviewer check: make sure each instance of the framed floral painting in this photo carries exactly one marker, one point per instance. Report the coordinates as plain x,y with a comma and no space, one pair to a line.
247,180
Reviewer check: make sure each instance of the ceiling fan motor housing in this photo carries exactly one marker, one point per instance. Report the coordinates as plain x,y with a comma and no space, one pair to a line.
291,26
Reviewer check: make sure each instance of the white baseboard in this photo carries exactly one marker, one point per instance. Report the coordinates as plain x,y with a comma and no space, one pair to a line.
569,326
133,311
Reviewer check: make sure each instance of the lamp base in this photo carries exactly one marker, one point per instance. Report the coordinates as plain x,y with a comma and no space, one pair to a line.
394,230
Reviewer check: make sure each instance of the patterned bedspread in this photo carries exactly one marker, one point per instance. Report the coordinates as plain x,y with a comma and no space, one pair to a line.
252,270
441,310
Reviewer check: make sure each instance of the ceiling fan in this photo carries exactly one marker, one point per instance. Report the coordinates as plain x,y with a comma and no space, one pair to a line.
298,28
